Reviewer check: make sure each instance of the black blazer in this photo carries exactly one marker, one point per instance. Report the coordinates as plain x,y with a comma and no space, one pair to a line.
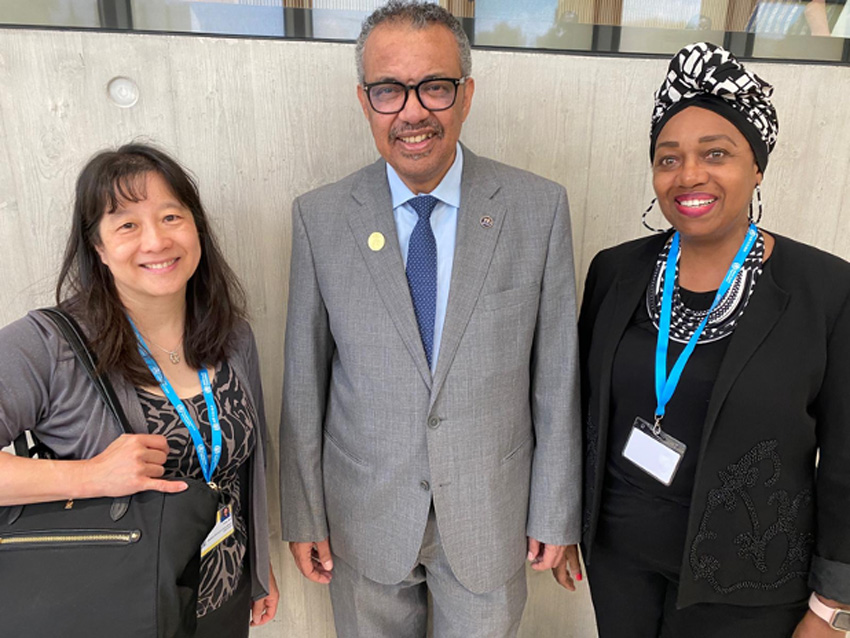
764,526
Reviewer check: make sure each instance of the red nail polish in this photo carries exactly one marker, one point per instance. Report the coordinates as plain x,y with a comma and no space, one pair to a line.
578,576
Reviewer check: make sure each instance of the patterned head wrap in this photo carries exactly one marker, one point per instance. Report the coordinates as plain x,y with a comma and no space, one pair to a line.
705,75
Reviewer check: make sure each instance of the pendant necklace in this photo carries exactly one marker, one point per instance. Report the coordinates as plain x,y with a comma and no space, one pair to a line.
173,355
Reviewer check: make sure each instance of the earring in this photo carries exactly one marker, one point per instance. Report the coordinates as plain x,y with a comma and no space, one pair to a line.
757,220
645,213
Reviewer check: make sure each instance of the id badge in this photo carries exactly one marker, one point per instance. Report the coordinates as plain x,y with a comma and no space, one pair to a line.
223,529
659,455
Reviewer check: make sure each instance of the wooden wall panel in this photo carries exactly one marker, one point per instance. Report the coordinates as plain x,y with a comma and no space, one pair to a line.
261,121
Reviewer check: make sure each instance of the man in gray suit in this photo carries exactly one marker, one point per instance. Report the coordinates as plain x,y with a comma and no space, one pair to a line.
430,437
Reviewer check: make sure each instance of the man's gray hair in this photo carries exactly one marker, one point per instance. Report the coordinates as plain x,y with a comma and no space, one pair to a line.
417,15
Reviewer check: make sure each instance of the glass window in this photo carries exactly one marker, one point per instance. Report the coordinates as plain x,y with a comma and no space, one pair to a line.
257,18
763,29
65,13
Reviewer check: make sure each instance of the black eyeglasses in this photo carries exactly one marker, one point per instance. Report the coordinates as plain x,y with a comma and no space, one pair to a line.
436,94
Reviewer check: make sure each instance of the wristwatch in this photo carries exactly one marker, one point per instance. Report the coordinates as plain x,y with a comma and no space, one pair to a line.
837,618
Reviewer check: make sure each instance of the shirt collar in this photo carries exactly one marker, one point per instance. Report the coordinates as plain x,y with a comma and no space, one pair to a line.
447,191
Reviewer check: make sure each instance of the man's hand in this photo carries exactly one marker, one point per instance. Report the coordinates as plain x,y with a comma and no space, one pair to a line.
314,560
561,559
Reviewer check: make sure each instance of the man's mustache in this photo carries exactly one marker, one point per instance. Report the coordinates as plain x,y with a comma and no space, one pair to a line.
431,125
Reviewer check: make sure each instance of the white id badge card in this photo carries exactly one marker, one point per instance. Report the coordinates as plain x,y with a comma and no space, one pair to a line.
658,455
223,528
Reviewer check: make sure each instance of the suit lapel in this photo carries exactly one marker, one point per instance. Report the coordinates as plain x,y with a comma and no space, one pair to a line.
765,308
373,212
474,247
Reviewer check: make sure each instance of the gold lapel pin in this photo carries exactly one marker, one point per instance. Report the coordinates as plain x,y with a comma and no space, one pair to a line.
376,241
487,222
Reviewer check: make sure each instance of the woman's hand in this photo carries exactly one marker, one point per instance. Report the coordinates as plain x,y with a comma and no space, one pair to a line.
813,626
264,609
568,568
132,463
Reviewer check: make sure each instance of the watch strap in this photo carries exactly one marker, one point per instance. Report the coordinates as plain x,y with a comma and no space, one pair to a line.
829,614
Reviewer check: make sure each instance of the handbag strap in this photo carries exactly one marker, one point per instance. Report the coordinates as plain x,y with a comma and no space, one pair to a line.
73,334
22,448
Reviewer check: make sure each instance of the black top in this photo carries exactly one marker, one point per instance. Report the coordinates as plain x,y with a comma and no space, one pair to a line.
764,527
633,395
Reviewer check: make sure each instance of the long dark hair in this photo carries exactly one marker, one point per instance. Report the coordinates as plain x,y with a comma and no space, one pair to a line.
215,300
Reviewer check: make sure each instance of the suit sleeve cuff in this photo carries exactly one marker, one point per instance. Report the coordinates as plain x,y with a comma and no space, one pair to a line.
569,535
830,579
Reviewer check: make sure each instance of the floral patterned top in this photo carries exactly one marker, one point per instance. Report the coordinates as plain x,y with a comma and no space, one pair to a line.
222,567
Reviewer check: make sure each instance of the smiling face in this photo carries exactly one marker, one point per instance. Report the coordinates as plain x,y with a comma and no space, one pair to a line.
419,144
151,247
704,174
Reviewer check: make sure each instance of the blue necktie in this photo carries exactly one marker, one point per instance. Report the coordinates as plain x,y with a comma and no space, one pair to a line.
422,270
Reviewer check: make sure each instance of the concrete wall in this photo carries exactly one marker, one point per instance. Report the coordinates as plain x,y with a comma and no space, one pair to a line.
261,121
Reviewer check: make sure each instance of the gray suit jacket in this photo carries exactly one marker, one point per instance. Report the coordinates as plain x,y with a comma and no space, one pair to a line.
369,437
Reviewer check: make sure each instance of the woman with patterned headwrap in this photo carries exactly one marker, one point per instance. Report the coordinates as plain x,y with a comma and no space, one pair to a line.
716,366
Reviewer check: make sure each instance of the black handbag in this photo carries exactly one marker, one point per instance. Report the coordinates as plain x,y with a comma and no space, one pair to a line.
125,567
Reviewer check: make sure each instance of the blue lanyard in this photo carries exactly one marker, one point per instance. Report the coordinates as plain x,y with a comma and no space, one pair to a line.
665,386
207,467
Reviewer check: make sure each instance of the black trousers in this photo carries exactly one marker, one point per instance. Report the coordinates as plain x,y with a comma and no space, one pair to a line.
633,601
233,618
633,576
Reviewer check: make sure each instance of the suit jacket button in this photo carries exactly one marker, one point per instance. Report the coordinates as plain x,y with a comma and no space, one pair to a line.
434,422
425,485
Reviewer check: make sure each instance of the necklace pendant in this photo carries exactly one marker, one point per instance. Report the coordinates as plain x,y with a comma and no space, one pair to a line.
174,356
